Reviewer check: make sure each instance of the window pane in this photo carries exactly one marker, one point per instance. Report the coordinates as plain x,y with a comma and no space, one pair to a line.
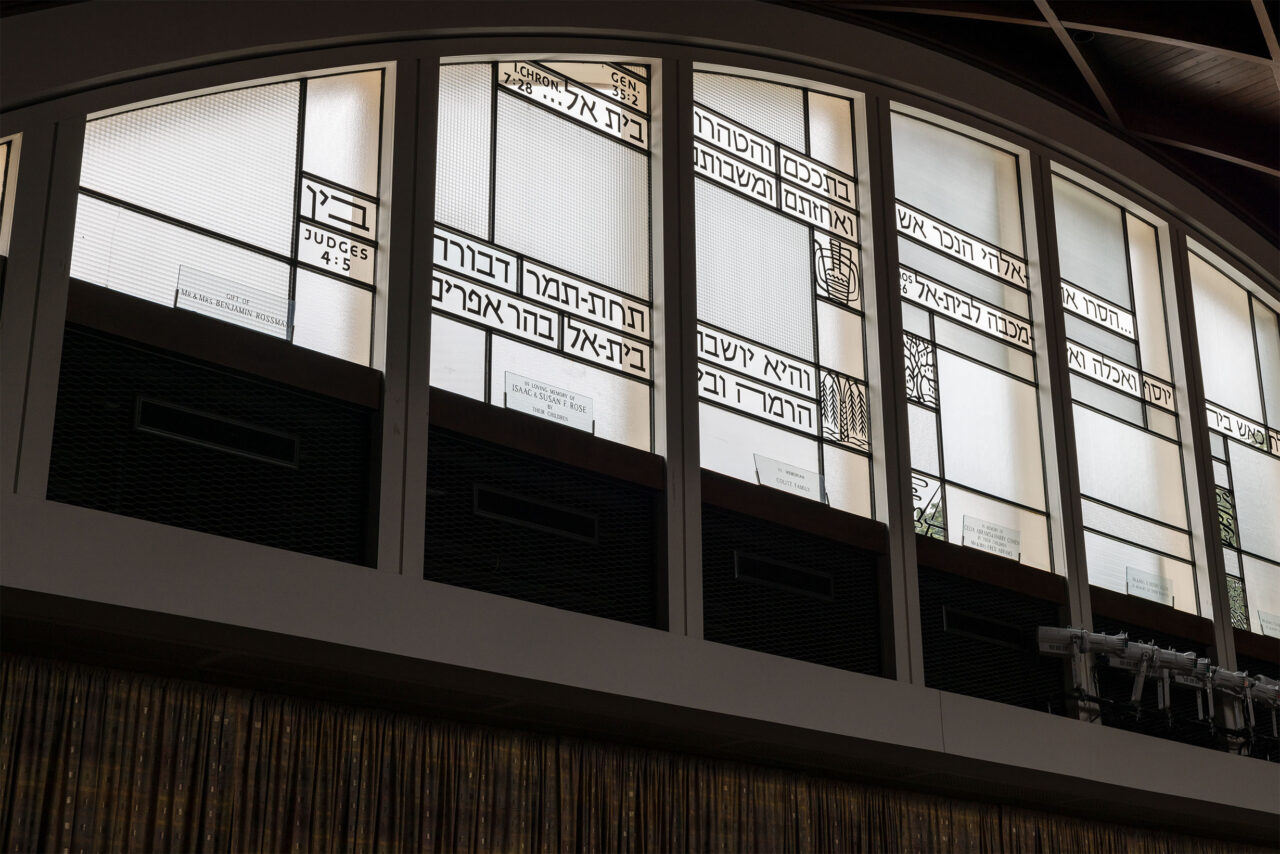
1110,562
206,203
225,162
546,267
1225,332
1129,468
780,301
9,147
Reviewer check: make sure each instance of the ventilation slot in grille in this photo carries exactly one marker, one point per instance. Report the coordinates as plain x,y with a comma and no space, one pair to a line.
508,507
959,622
796,579
212,431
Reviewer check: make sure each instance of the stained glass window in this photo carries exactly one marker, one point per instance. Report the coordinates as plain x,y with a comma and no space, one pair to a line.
1239,338
1128,449
973,411
256,205
8,178
781,316
542,287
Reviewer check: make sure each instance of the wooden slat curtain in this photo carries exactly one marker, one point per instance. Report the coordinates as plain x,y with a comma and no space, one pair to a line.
95,759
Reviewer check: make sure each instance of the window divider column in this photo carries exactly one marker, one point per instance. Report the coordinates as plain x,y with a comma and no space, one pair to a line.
1224,640
678,391
50,308
407,397
902,624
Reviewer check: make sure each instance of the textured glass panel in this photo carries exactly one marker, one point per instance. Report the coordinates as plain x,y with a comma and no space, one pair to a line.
344,117
1109,401
226,162
990,431
620,406
1129,468
840,340
571,197
1162,422
1126,526
1268,337
457,357
1262,581
1256,477
769,108
1032,527
462,153
831,131
1109,561
923,424
1091,242
847,477
1239,604
969,184
1227,361
1148,299
753,271
984,348
141,256
1228,529
967,279
1101,341
729,443
332,317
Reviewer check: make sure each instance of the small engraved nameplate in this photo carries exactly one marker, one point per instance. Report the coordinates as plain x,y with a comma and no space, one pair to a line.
1148,585
547,401
789,478
990,537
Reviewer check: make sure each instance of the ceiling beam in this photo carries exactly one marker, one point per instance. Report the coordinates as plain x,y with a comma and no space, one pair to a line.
854,9
1152,37
1078,58
1209,152
1268,33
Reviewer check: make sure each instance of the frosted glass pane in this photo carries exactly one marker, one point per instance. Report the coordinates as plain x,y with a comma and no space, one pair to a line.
990,431
141,256
753,271
916,321
923,424
943,269
840,340
1101,341
1227,359
1257,493
462,151
1134,530
226,162
1162,422
1268,336
1148,300
620,406
344,118
847,477
457,357
571,197
1112,402
969,184
777,111
1262,586
729,443
1109,561
984,348
1129,468
333,317
1032,527
1091,242
831,131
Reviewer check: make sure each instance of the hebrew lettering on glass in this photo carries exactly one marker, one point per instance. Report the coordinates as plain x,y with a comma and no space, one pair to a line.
922,371
1239,603
926,498
1227,518
844,411
836,270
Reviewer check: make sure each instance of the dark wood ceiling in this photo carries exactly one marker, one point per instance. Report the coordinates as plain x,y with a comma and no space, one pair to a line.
1194,82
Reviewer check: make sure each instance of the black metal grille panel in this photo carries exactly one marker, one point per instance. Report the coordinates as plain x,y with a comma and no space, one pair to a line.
1266,739
518,525
749,602
1115,686
100,460
980,640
